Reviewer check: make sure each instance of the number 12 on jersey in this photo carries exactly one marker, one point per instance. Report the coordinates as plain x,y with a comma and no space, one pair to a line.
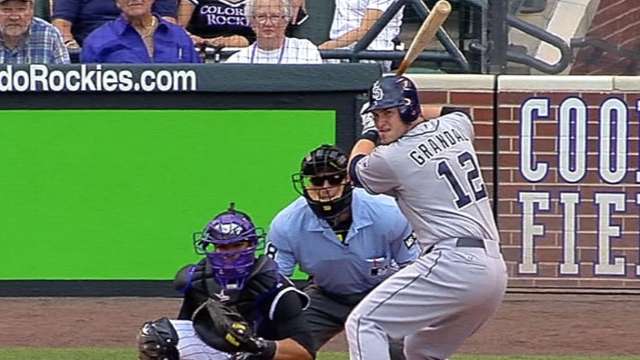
473,179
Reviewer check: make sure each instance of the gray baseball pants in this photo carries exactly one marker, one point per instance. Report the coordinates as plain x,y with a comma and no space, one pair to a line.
435,303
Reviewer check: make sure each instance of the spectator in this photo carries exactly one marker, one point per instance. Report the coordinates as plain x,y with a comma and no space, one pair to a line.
76,19
269,19
353,18
138,36
219,23
28,40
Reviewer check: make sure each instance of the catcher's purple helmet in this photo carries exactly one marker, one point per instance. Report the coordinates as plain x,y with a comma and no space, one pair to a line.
231,268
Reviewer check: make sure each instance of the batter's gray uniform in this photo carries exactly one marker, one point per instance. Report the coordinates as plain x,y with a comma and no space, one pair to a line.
459,281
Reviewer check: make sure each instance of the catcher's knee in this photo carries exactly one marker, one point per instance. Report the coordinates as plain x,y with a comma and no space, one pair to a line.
158,340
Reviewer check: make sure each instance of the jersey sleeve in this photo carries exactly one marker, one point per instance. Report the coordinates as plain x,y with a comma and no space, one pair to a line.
289,320
373,173
278,248
189,305
461,121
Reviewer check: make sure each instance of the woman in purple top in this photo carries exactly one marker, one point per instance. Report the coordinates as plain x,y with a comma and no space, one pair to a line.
138,36
78,18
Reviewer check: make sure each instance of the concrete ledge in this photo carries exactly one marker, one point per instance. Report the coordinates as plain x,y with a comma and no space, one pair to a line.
626,83
453,81
564,26
551,83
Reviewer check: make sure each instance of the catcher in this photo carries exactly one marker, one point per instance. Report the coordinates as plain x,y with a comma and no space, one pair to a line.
235,306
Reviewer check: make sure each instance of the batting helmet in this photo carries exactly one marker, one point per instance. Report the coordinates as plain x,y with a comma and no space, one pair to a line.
326,163
395,91
231,268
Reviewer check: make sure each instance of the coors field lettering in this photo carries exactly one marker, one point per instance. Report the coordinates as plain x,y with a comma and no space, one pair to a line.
586,196
572,137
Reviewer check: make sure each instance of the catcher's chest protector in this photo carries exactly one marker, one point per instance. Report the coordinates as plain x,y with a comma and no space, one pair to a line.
259,291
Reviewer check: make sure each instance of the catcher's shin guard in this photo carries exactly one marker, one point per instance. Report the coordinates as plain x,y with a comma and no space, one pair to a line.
158,340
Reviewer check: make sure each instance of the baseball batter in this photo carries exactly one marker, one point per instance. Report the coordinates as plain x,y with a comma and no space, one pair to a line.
347,240
432,170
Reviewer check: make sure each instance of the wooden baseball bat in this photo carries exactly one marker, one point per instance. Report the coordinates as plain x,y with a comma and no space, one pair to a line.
425,34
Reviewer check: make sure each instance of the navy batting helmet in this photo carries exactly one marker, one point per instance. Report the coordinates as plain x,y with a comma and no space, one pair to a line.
395,91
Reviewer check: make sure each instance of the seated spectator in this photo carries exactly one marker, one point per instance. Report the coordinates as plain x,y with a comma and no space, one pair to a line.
353,18
28,40
222,23
269,19
138,36
76,19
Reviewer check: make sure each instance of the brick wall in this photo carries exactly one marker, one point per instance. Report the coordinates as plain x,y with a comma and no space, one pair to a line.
618,23
575,224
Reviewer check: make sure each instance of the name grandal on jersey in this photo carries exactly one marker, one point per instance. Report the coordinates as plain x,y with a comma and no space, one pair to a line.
435,144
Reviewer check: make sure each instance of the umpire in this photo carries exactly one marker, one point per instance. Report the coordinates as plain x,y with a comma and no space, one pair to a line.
347,240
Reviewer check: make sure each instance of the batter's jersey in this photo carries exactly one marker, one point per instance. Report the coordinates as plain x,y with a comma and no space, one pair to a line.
378,242
433,173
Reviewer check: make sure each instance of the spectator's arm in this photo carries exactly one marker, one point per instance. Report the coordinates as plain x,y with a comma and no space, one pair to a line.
228,41
370,18
188,53
185,10
296,6
60,53
64,26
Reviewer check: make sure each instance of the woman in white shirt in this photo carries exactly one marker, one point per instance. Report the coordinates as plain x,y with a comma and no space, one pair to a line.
269,19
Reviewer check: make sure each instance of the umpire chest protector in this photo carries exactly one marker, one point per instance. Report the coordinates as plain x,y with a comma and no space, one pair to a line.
255,301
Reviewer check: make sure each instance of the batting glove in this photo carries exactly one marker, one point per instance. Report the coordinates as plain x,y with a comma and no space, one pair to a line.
368,124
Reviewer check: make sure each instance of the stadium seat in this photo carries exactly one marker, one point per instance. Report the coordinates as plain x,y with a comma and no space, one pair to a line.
317,26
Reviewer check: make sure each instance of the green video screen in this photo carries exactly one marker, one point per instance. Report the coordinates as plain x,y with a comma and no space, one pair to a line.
117,194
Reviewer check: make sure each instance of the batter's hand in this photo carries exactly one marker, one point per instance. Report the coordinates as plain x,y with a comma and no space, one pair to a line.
368,124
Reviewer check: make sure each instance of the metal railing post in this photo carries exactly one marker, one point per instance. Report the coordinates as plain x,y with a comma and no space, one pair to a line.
497,36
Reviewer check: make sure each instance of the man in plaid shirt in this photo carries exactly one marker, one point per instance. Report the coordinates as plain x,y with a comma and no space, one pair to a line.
28,40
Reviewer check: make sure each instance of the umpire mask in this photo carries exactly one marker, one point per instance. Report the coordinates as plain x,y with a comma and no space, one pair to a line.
323,181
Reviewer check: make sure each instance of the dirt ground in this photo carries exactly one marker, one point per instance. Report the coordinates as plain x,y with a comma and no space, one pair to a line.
525,324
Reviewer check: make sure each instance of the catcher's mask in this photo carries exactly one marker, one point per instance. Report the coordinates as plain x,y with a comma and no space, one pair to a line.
395,92
230,241
322,180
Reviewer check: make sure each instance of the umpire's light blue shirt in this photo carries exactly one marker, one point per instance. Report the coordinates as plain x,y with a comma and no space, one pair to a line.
378,241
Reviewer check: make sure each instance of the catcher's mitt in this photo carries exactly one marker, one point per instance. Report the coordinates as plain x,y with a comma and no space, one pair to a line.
224,329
